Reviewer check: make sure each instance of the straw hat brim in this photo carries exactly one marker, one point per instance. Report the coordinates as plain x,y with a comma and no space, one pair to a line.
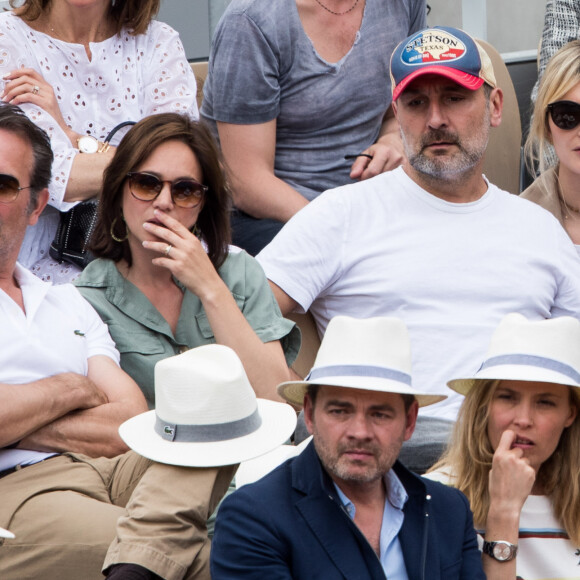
509,372
278,423
294,391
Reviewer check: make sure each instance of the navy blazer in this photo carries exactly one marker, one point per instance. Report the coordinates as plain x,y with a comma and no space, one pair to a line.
291,525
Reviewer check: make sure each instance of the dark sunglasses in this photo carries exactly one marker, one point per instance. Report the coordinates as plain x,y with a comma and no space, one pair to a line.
9,188
565,114
184,192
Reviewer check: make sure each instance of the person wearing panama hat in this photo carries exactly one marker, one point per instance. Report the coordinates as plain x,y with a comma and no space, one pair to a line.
207,415
345,508
432,242
515,451
152,502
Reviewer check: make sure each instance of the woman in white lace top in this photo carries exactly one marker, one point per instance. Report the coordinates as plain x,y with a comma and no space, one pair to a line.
78,69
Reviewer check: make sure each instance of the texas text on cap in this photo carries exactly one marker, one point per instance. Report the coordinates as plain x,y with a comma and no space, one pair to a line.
444,51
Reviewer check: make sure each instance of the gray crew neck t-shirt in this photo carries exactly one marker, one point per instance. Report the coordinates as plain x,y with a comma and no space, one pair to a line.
263,66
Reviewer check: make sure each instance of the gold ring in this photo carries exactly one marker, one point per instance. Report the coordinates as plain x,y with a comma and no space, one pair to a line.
168,249
35,90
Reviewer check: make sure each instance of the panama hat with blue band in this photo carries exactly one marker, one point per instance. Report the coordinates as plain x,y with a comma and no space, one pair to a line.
206,413
371,354
546,351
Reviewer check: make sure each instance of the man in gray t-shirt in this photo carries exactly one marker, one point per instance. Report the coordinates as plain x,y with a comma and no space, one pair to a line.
292,88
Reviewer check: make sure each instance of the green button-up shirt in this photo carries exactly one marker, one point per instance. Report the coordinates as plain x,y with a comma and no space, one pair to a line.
144,337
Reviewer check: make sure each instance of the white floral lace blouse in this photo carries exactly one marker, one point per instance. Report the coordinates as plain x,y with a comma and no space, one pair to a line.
128,78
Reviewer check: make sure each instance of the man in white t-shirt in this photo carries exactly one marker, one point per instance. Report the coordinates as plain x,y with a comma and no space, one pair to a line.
432,242
65,473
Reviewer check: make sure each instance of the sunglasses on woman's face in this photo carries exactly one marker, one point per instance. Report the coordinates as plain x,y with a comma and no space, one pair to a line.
184,192
565,114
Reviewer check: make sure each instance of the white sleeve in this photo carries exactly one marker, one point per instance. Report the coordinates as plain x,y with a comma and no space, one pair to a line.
99,341
15,53
305,258
64,155
170,84
567,300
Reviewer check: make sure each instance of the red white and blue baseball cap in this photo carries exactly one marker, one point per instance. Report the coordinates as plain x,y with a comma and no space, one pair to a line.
444,51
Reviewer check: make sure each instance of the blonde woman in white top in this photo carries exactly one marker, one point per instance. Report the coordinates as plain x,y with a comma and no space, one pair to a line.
515,452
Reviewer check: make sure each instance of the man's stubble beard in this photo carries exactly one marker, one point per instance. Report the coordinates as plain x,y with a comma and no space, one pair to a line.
443,168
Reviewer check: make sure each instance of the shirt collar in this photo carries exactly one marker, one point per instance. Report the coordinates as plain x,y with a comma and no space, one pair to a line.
396,493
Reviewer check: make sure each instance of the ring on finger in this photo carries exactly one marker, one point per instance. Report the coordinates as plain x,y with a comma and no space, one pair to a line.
35,90
168,249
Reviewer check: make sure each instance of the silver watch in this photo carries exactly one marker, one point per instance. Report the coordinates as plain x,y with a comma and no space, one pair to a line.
500,550
87,144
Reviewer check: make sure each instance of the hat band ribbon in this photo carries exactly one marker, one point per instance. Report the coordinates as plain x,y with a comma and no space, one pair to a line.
534,361
358,371
208,433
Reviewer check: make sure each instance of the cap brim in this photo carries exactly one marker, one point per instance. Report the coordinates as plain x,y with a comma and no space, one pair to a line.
294,391
511,373
278,423
461,78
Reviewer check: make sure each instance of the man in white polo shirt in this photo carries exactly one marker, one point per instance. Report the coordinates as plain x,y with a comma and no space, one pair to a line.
432,242
65,478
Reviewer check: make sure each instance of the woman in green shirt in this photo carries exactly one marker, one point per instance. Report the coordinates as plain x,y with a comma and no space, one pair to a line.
166,279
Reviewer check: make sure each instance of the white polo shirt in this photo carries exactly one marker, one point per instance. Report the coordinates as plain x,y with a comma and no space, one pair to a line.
58,333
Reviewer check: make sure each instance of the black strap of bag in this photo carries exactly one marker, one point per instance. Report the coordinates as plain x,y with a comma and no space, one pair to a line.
76,226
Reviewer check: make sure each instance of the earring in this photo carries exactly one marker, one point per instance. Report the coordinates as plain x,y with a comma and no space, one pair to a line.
116,238
196,231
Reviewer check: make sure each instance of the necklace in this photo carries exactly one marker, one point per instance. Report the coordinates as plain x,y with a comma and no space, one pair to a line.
56,34
570,208
338,13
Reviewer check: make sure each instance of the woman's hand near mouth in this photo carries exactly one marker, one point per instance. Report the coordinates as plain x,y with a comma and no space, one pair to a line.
187,259
511,477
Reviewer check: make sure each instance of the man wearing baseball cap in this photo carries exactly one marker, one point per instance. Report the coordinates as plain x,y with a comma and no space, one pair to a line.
345,508
432,242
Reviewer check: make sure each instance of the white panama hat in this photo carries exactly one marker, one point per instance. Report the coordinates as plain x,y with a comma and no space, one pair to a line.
546,351
371,354
207,414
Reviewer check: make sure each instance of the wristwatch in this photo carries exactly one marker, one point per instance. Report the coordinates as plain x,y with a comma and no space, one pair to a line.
500,550
88,144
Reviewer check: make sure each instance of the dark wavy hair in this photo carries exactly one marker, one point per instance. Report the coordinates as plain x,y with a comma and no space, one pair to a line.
138,144
135,15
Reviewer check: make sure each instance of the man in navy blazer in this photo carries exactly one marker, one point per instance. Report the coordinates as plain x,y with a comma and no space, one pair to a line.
345,508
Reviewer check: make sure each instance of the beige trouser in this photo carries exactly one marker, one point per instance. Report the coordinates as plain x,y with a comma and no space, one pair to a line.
67,510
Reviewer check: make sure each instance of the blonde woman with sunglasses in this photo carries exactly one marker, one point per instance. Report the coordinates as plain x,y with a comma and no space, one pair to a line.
166,279
556,122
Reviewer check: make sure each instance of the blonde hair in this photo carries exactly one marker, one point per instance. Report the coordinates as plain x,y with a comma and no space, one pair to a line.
561,75
469,455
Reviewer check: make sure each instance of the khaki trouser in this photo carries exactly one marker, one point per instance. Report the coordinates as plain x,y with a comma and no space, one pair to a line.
73,516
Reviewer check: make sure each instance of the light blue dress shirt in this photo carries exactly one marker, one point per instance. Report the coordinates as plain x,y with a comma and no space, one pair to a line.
391,554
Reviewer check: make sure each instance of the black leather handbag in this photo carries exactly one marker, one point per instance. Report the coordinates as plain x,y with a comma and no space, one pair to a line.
76,226
73,234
